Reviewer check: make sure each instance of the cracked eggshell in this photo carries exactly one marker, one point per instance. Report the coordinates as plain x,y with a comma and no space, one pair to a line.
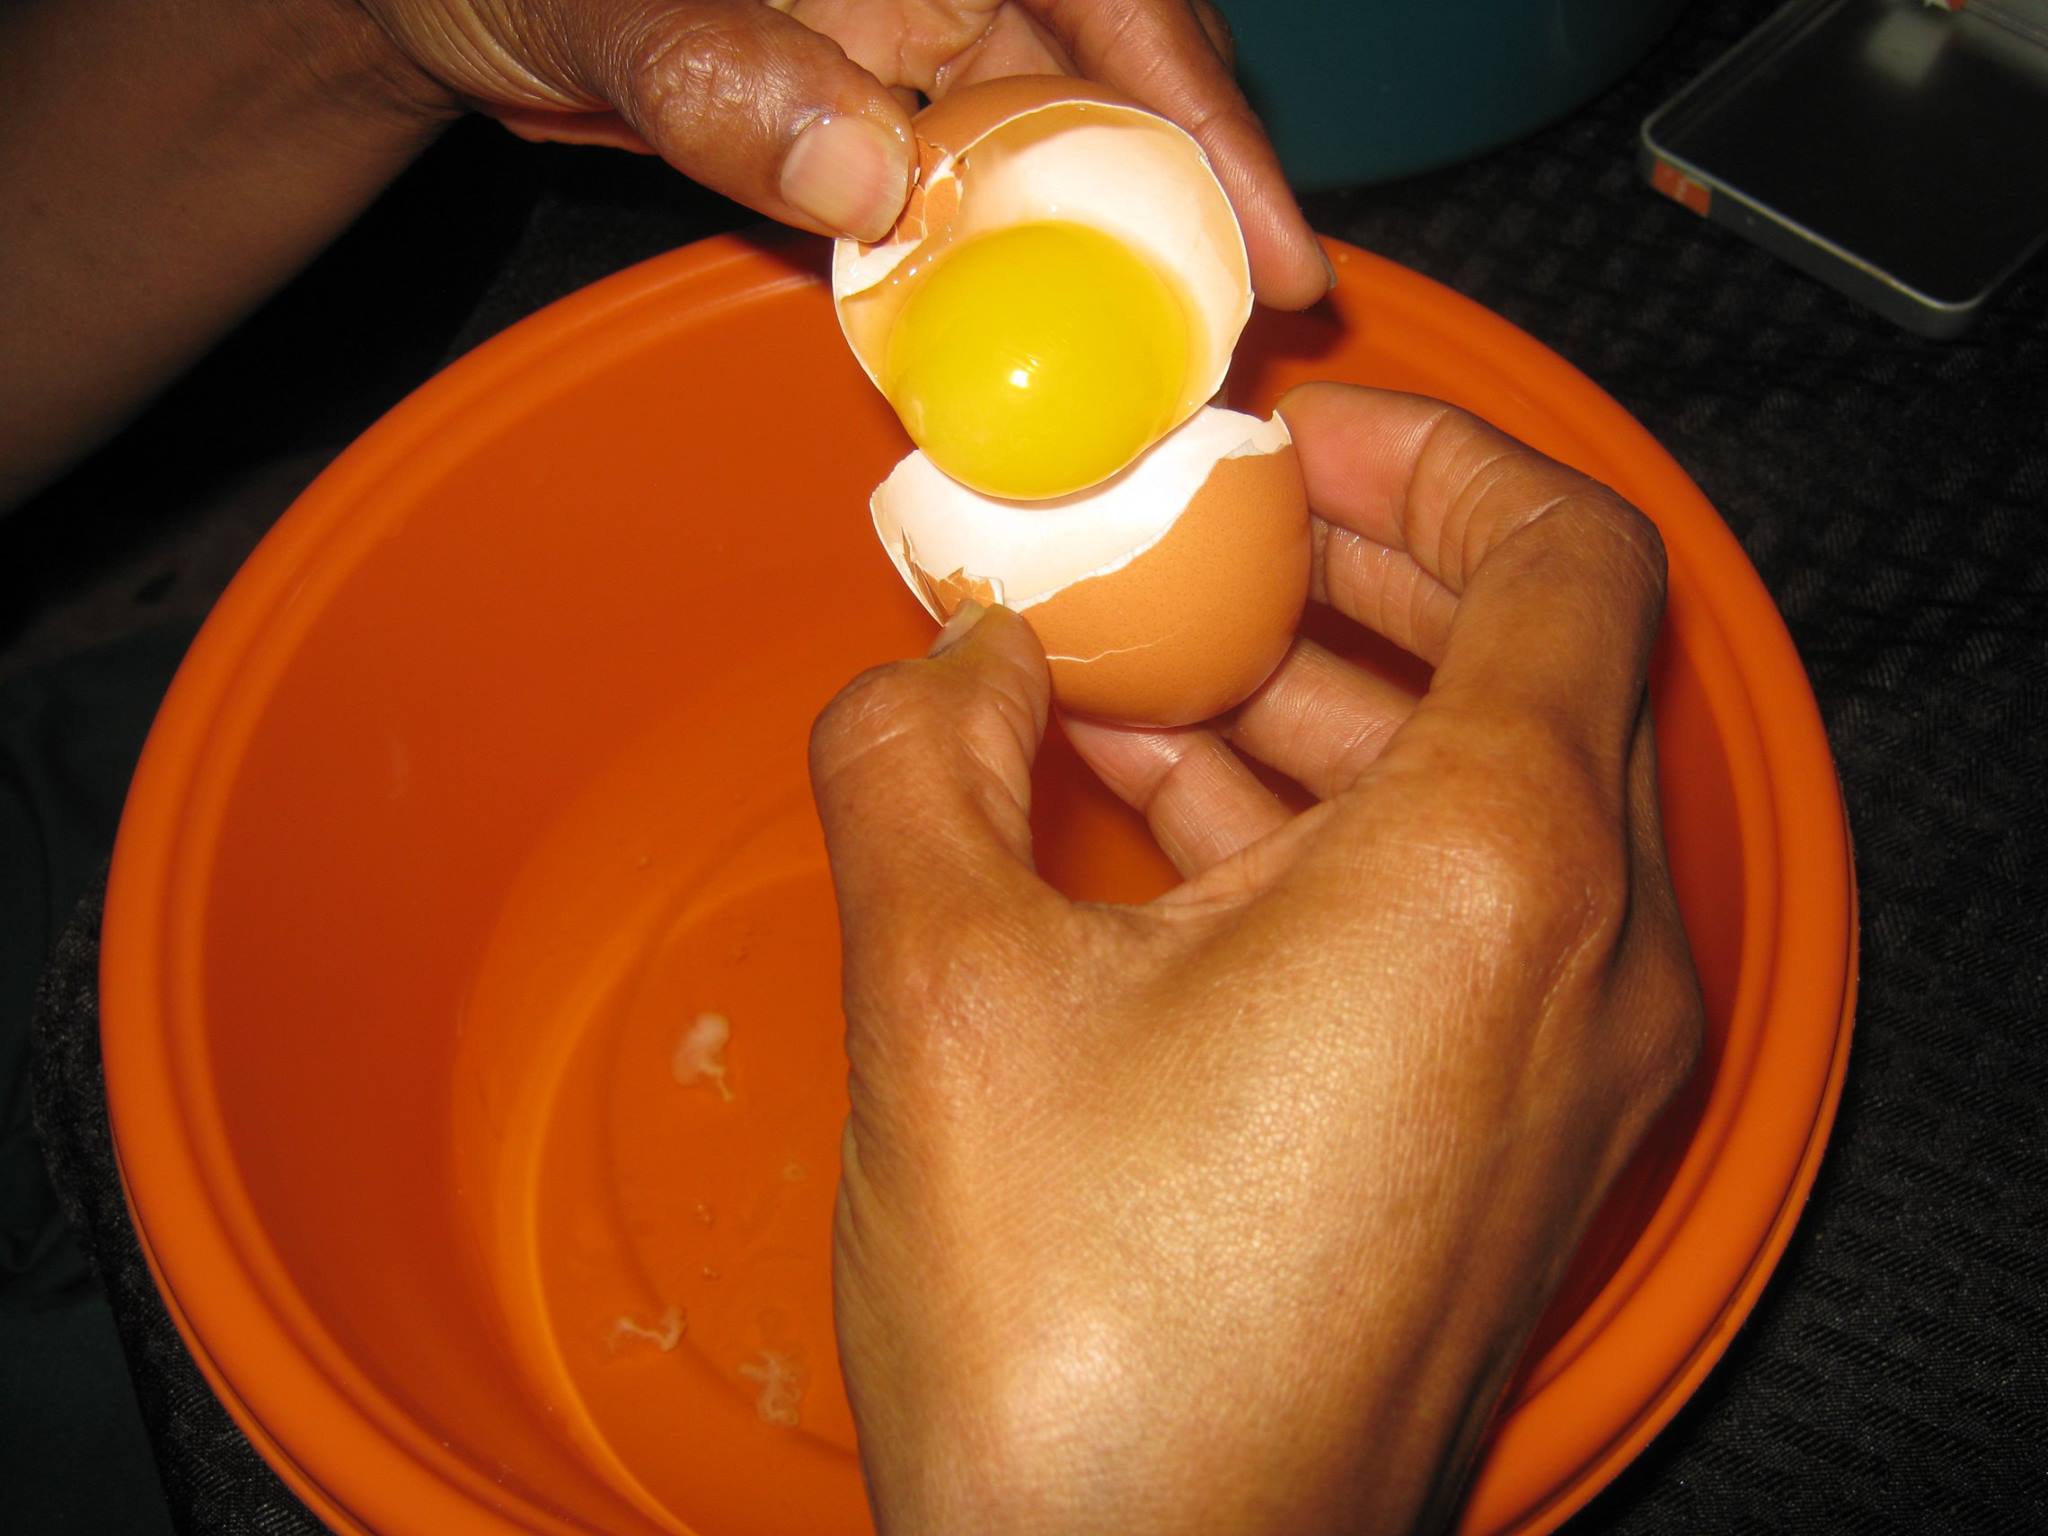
1033,148
1162,597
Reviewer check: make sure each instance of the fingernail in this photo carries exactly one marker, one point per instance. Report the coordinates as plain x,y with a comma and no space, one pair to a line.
964,618
849,174
1329,270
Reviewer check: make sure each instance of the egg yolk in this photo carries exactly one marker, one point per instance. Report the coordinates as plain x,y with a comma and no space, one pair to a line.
1037,360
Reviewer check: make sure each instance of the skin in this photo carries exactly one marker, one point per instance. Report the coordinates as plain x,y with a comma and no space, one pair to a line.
225,142
1233,1211
1230,1212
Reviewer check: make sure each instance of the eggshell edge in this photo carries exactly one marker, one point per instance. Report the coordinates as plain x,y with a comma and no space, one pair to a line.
1214,601
949,127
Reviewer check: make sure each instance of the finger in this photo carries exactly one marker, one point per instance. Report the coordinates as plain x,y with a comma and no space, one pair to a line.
606,130
1217,26
1417,476
1198,797
753,104
1559,584
1556,622
1318,719
922,775
1158,53
1013,44
1383,589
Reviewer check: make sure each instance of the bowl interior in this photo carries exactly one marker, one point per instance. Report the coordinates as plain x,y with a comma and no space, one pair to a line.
488,780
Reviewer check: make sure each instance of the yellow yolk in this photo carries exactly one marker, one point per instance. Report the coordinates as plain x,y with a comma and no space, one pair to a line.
1037,360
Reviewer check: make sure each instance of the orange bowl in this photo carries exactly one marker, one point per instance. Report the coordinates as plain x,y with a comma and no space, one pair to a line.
486,779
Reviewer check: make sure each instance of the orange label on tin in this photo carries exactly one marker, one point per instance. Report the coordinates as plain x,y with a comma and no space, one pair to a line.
1681,188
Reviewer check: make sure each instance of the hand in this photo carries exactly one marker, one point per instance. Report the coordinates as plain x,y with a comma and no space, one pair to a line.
800,108
168,166
1233,1211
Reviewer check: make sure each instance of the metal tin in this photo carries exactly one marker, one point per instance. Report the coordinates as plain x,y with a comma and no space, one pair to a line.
1894,149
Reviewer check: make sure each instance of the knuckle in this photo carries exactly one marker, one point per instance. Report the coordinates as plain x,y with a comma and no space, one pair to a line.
1539,847
1620,537
1542,762
912,969
1675,1021
902,1007
687,72
1545,898
1097,28
908,702
1129,33
1006,706
1355,748
1675,1055
935,991
1631,539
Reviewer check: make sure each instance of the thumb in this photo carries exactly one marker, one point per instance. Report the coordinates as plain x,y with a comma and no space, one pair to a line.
922,773
755,105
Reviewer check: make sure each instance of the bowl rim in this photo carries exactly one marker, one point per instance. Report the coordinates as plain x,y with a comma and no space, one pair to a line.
1601,1392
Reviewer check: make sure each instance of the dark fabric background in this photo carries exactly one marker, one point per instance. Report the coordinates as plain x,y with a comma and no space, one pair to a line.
1892,491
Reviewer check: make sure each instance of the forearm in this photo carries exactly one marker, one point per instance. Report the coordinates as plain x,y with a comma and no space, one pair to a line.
167,165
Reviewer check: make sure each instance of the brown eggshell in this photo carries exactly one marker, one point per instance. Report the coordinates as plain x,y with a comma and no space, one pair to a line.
960,117
956,121
1179,578
1194,624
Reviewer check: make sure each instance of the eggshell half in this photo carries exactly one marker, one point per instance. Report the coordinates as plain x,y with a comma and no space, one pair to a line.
1162,597
1034,148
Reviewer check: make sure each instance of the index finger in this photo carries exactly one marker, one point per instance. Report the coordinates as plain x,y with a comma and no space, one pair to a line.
1553,585
1159,53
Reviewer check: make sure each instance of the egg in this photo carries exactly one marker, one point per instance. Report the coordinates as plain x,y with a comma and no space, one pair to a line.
1162,597
1064,287
1051,318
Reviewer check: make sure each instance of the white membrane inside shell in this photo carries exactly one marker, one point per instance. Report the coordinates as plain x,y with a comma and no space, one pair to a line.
1028,550
857,268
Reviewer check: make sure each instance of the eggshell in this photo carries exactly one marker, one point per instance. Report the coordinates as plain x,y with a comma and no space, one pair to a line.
1162,597
1029,149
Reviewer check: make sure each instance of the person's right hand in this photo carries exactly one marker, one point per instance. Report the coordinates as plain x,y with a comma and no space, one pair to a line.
797,108
1233,1211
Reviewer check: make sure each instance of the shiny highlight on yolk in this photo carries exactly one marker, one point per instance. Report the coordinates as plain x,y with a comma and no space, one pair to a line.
1038,360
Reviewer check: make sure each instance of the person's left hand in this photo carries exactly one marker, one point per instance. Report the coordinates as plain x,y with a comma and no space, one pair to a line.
801,108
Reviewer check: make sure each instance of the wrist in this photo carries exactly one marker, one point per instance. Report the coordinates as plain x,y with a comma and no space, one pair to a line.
1114,1438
